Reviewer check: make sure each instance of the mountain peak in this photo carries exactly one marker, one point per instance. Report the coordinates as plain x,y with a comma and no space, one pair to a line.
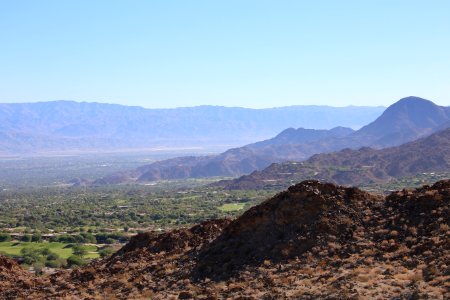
406,119
413,101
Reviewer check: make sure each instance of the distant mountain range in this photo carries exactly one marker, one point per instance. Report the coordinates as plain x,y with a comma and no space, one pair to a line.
355,167
229,163
61,126
406,120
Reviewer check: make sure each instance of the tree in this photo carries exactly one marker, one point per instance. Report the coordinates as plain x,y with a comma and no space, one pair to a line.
105,252
66,238
36,238
110,241
52,256
30,255
79,250
45,251
89,238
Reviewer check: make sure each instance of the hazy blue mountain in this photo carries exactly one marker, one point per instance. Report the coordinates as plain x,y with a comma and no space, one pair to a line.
68,125
292,136
406,120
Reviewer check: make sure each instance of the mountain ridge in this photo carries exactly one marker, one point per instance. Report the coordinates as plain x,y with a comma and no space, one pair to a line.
356,167
300,144
69,125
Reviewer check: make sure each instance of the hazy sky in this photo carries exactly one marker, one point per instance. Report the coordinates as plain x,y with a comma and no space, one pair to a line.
233,53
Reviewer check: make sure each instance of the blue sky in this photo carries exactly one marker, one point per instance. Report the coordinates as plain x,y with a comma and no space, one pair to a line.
233,53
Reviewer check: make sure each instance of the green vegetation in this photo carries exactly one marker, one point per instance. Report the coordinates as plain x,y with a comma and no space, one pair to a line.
77,214
63,250
59,226
105,252
231,207
49,254
74,261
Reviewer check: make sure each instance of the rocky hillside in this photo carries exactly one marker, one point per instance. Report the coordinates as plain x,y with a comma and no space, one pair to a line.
356,167
406,120
13,279
313,241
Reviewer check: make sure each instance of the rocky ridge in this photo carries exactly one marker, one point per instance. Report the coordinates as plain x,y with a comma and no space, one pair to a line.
356,167
313,241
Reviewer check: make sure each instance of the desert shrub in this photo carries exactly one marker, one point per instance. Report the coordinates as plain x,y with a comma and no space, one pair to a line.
52,256
57,263
105,252
74,260
38,267
30,255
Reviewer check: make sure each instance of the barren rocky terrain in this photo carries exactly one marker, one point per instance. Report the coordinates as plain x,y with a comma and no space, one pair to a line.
313,241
